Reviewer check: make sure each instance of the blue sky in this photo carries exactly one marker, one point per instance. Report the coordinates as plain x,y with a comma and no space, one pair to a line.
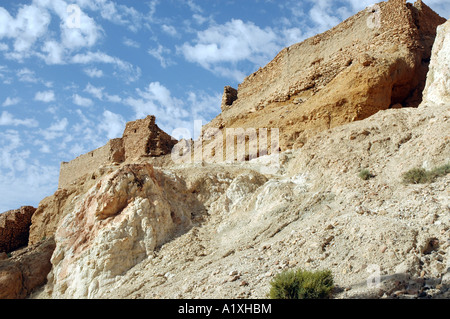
73,72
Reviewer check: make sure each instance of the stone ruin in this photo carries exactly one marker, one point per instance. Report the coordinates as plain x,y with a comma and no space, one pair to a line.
14,228
141,138
229,96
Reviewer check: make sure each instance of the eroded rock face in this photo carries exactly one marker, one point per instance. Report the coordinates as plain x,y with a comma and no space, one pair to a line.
115,225
15,228
25,270
437,90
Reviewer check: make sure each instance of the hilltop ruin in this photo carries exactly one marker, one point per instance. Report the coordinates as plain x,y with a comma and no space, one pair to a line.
141,138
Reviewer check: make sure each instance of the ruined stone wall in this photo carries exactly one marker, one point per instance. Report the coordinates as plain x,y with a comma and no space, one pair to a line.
112,152
144,138
229,96
309,65
375,60
15,228
141,138
312,64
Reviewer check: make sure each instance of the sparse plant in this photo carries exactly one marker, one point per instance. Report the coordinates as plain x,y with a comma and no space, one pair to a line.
440,171
302,284
365,175
422,176
415,176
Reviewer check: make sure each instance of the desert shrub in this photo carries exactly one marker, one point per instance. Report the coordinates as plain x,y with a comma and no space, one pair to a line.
365,175
415,176
302,284
422,176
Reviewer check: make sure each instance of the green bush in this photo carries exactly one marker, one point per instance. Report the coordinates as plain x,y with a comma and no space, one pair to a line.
422,176
302,284
365,175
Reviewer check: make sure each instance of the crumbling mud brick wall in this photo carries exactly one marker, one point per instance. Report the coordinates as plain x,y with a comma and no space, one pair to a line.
112,152
145,138
141,138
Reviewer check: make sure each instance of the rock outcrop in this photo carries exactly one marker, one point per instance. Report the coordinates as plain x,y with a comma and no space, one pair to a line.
437,90
26,270
118,223
375,60
15,228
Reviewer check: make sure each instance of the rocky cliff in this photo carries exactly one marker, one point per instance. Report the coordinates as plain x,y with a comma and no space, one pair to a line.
375,60
151,228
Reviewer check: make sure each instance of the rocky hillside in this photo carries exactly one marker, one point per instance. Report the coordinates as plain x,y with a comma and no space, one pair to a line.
151,228
376,60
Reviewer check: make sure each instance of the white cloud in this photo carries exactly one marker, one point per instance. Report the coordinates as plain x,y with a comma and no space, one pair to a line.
94,91
131,43
173,112
4,47
11,101
170,30
57,129
156,99
25,29
93,72
194,7
45,96
81,101
59,126
7,119
20,172
222,46
45,149
54,53
31,36
26,75
98,93
84,36
160,54
113,98
112,124
126,69
120,14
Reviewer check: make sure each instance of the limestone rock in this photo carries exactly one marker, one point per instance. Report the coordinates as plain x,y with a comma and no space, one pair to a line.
437,90
15,228
119,222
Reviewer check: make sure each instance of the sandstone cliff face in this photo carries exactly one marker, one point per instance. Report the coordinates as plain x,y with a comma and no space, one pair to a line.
437,90
375,60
